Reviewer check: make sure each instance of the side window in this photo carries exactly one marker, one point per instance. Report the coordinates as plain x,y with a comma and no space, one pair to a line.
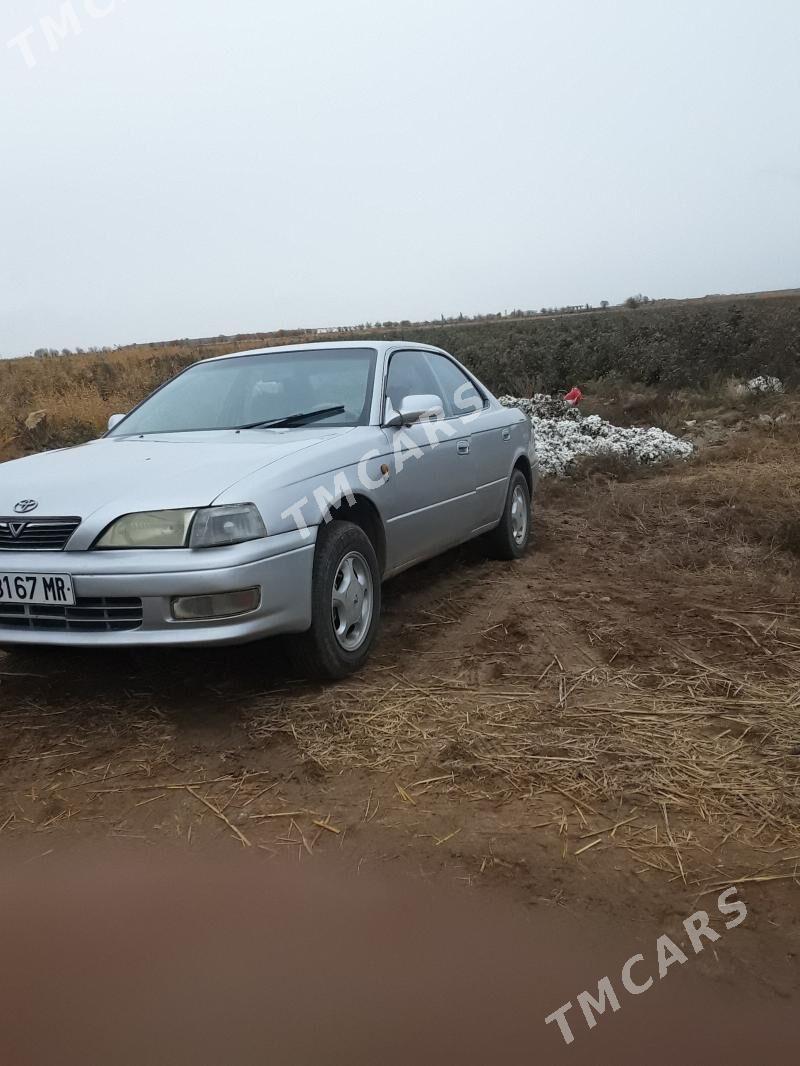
410,375
457,391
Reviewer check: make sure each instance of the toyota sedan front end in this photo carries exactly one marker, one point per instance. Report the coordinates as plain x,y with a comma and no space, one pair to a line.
188,575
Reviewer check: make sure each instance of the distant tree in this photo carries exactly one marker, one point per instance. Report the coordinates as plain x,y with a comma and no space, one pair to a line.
604,305
637,301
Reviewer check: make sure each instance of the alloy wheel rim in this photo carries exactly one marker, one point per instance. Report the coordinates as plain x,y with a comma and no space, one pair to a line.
519,517
352,601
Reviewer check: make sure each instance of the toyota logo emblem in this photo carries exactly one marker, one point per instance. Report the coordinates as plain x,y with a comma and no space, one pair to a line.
26,506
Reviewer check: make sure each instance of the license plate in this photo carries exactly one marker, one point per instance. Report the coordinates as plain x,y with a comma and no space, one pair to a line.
40,590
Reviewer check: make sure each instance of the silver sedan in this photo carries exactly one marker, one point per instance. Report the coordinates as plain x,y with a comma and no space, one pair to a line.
262,493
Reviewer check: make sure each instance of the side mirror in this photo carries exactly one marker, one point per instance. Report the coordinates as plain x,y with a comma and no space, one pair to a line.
114,421
414,409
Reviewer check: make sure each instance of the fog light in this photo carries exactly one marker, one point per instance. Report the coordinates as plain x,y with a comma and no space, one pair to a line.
221,605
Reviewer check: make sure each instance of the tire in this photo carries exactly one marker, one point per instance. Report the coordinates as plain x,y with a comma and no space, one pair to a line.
340,639
510,540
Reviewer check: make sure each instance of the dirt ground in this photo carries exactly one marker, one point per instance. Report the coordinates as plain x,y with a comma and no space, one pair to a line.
607,729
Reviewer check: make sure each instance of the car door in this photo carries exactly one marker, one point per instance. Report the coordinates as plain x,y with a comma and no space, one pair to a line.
432,505
491,444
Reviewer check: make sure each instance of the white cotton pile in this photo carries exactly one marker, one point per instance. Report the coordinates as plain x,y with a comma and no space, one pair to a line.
543,406
763,385
560,441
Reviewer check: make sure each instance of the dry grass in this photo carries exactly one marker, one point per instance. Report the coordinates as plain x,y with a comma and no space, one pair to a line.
724,399
703,745
736,503
76,395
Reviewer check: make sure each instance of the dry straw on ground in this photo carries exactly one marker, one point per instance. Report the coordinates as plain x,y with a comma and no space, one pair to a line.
703,746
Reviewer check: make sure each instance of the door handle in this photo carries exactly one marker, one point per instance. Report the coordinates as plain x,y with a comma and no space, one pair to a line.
506,434
463,447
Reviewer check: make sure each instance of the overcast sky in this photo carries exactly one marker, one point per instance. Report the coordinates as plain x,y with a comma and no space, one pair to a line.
176,168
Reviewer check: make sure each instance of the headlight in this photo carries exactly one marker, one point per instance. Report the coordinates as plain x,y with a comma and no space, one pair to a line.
148,529
217,526
210,527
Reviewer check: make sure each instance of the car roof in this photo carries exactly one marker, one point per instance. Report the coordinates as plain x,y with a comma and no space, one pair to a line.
381,346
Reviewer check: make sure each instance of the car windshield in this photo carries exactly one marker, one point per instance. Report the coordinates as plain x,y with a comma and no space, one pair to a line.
322,387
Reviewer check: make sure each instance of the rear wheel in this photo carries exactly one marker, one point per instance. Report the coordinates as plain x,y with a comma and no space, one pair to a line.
510,539
345,604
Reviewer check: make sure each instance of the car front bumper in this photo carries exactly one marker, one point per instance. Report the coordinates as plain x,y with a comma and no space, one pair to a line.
281,567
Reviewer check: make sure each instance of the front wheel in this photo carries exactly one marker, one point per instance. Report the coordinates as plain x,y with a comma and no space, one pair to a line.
345,604
510,539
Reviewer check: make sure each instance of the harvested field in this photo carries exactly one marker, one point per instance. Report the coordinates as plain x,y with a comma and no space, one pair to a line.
675,354
610,726
640,666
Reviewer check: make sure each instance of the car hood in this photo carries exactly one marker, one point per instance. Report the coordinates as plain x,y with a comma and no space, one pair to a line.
122,474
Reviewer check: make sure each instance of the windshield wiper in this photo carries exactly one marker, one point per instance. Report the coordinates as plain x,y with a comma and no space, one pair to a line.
297,420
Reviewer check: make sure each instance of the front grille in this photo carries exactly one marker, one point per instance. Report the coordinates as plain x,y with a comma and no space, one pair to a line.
87,616
36,534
